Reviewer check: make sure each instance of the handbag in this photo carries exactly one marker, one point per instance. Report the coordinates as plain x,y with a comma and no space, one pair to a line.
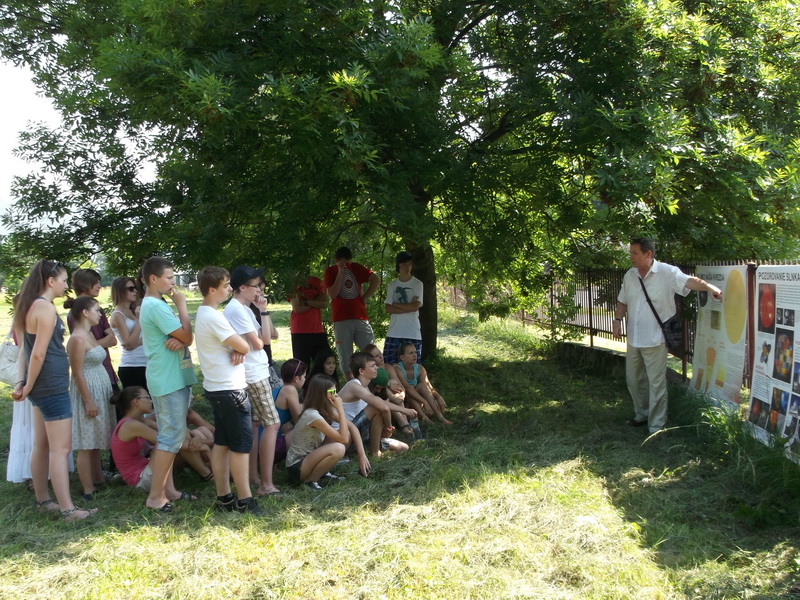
9,353
672,328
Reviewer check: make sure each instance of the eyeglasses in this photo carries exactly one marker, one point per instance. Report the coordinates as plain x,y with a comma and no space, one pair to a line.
56,266
332,391
131,288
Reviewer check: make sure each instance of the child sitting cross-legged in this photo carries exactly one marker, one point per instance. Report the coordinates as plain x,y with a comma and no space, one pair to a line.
371,414
315,446
133,434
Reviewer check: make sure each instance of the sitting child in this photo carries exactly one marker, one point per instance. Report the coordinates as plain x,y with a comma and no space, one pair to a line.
308,460
130,439
287,402
418,387
369,413
325,363
392,390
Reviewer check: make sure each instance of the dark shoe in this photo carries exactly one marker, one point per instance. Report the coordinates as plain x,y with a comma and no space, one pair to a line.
90,496
167,508
331,478
250,506
313,486
225,503
636,423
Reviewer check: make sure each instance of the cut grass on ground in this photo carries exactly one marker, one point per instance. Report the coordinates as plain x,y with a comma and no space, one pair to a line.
539,490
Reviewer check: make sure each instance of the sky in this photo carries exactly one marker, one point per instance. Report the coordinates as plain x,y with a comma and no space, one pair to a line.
19,105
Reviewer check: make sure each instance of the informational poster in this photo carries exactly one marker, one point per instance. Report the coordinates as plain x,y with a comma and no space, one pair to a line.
775,394
721,335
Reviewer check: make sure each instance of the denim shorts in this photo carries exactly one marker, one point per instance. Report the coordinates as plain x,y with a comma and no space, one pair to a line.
233,423
54,408
171,411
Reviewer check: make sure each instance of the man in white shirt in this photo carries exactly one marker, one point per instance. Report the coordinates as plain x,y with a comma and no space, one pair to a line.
646,358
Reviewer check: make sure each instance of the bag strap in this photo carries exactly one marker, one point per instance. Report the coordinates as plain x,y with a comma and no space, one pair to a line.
650,302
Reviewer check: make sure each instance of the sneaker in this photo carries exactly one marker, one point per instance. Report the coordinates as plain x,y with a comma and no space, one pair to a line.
636,423
331,478
249,505
343,461
225,503
313,485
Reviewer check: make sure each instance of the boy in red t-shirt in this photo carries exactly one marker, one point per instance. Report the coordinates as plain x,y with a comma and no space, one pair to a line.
308,335
344,281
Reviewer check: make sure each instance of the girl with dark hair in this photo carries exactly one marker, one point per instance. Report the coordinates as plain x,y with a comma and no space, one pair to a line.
132,437
86,282
125,324
44,378
325,362
89,391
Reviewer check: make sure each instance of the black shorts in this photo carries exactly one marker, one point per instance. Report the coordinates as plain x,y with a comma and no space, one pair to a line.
232,419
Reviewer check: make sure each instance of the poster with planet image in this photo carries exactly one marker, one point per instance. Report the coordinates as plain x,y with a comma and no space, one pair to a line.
784,351
766,307
734,307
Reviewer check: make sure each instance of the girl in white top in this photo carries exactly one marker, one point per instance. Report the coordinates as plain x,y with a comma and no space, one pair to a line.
308,458
125,325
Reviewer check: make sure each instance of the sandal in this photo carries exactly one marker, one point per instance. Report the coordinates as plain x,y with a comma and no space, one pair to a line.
209,477
48,505
70,516
186,496
167,508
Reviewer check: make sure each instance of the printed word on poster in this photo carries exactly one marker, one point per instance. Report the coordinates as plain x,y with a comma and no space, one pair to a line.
719,344
775,395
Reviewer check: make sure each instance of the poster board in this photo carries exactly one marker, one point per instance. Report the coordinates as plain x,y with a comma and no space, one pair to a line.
775,392
720,347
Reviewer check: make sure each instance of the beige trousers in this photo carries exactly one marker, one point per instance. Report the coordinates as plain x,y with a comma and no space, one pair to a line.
646,374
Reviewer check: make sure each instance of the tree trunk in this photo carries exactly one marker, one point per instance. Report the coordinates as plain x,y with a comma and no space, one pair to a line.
425,271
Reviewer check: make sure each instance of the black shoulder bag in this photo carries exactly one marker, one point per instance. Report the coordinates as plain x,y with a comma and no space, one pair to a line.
672,328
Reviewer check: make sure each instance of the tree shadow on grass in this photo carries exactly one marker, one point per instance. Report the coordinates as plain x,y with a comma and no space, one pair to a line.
517,417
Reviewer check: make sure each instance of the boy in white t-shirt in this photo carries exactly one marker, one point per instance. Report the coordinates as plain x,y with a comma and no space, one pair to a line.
403,301
246,291
222,353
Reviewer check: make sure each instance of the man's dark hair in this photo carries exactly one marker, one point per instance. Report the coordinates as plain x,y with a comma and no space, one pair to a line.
645,243
343,252
359,361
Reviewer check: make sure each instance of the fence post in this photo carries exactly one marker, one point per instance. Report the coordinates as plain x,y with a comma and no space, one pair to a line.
591,307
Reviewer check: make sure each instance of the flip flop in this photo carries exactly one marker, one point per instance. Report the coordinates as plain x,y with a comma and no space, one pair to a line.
273,493
186,496
167,508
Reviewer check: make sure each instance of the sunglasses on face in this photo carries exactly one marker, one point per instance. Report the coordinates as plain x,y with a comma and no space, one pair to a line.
332,391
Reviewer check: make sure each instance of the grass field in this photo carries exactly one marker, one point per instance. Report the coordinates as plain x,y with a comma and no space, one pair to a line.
538,491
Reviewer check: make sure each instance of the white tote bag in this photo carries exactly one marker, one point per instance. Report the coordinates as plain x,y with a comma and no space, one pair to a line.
9,352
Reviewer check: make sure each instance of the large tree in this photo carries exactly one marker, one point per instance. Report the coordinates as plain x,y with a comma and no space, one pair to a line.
501,134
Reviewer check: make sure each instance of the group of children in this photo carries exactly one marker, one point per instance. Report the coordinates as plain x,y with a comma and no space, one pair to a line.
310,421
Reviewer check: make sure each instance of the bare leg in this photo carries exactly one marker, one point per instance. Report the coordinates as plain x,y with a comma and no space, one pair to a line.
240,467
320,461
85,470
161,463
254,452
40,458
195,460
432,403
267,455
221,466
